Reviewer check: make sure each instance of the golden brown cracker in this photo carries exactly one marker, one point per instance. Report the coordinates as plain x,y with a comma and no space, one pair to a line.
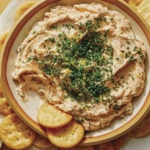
5,108
105,146
49,116
67,136
42,142
1,94
15,134
142,129
78,148
118,143
144,10
3,37
23,8
134,2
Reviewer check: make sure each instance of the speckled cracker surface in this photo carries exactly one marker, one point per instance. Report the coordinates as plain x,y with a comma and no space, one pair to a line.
67,136
15,134
134,2
3,36
51,117
144,10
5,108
22,9
42,142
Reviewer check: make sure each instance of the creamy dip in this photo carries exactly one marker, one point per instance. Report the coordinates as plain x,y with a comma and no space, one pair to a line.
85,60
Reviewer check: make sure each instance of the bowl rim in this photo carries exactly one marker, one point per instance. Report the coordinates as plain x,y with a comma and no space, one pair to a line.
18,110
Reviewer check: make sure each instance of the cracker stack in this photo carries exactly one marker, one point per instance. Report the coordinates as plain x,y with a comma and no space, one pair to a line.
62,130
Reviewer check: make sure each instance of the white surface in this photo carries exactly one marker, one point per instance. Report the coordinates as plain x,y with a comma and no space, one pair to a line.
137,144
6,22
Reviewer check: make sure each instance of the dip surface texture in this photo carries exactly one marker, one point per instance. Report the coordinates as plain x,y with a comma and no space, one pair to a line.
85,60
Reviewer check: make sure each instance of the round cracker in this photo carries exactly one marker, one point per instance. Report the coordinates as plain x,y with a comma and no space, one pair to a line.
134,2
23,8
119,142
42,142
3,36
144,10
78,148
15,134
141,129
5,108
49,116
67,136
105,146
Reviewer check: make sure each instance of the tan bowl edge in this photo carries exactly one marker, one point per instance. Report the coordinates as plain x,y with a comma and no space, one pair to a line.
9,42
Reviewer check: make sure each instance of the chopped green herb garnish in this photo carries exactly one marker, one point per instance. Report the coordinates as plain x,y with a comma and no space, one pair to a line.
52,40
34,32
53,27
82,62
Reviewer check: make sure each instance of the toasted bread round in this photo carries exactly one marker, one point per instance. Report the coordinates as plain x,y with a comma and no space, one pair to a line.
105,146
141,129
5,108
15,134
78,148
49,116
67,136
23,8
42,142
118,143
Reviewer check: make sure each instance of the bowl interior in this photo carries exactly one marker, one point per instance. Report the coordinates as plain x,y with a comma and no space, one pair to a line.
29,109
